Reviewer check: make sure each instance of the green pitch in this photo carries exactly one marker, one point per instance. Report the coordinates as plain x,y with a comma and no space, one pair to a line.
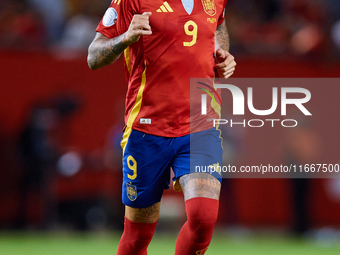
162,244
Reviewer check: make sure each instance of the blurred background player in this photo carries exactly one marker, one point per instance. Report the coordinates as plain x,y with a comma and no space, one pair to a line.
164,46
40,147
302,145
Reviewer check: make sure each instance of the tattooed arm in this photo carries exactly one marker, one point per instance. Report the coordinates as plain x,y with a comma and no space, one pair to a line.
104,51
222,37
225,62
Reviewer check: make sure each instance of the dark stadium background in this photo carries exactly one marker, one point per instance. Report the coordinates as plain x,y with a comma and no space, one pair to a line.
43,65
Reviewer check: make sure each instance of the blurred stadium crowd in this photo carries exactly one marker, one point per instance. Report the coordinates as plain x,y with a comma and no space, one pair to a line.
42,24
271,27
293,27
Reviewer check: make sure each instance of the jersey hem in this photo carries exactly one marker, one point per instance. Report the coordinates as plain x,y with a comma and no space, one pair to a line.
166,135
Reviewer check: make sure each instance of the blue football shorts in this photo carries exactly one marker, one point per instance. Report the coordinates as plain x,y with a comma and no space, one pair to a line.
147,160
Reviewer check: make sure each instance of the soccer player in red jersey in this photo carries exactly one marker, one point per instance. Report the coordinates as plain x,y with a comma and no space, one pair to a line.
165,43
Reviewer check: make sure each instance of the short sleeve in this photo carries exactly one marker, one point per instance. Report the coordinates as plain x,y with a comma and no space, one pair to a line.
221,17
108,25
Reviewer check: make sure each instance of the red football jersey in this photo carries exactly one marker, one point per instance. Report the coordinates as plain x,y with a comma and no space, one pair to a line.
160,65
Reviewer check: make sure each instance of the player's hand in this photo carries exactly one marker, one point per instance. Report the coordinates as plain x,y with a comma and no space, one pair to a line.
139,26
225,63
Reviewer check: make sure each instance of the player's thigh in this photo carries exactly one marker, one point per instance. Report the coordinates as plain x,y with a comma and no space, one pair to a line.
200,185
204,152
143,215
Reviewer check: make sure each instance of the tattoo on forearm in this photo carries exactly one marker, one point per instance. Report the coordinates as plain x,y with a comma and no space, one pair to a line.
222,37
200,185
105,52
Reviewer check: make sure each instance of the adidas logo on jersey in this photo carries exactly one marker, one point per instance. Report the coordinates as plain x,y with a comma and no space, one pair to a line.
165,7
145,121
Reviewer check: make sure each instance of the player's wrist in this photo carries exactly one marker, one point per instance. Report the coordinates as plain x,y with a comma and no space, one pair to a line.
126,39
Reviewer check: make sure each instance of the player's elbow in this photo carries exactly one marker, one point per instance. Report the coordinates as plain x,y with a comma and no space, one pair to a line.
91,63
92,59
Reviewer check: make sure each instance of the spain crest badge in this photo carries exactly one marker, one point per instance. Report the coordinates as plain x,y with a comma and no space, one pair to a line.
209,7
131,191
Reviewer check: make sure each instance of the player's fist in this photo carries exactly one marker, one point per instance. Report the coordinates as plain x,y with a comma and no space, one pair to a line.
139,26
225,63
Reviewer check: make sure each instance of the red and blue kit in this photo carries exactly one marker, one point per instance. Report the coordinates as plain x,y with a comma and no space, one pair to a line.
160,66
158,134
